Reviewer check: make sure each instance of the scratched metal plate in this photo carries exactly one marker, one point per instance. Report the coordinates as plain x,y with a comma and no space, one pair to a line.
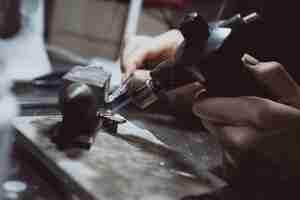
114,168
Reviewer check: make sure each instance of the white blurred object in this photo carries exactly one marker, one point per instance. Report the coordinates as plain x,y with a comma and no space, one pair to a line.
24,56
135,9
112,66
8,110
134,12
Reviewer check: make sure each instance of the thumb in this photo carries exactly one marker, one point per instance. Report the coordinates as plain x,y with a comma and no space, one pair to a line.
276,80
182,98
239,137
134,51
254,112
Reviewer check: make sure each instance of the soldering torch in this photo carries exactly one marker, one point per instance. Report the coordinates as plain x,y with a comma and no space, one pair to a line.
210,54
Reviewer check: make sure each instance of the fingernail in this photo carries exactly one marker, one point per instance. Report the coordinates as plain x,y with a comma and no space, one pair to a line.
249,60
200,94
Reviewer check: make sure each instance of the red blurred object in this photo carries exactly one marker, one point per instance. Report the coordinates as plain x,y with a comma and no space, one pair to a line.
173,3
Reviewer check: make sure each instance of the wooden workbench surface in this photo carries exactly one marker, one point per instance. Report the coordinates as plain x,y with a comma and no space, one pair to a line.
122,166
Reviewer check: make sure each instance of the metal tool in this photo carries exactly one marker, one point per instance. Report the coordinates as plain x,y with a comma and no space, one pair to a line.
78,128
81,118
210,54
120,90
83,91
110,121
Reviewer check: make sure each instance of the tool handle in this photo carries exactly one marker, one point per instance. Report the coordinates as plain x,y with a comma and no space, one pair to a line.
172,73
217,57
224,71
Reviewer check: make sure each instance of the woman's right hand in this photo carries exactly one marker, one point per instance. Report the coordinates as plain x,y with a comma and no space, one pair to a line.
139,50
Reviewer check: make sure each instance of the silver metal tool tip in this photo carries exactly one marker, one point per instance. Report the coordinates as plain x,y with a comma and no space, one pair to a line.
251,18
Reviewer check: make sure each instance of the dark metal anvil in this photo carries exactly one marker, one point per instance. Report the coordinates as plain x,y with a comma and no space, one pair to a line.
84,91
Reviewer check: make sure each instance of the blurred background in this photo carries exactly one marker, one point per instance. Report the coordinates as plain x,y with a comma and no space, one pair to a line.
95,27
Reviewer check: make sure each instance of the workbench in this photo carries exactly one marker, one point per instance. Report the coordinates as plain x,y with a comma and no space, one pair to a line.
181,133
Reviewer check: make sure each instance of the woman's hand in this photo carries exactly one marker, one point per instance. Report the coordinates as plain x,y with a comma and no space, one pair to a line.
245,123
140,50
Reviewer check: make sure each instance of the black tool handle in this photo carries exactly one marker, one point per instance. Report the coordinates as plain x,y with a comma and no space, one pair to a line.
173,72
219,61
224,71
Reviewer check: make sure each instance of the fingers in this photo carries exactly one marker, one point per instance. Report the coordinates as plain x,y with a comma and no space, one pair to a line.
254,112
191,91
185,93
170,41
140,49
238,142
276,79
240,138
135,61
226,111
183,98
135,50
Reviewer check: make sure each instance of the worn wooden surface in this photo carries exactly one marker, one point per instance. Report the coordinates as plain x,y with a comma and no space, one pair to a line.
116,167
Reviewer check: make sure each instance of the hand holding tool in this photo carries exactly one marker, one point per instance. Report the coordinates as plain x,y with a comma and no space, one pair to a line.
210,54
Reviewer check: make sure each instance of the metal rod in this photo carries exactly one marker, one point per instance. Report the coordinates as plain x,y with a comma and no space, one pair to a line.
251,18
135,8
